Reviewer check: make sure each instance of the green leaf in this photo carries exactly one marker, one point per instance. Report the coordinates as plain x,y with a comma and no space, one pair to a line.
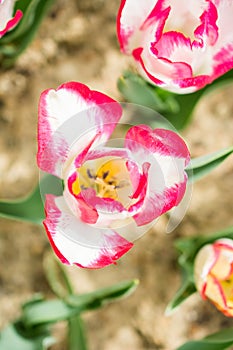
77,338
176,108
56,276
217,341
102,296
202,166
136,90
49,311
28,209
12,338
186,289
36,298
31,208
189,246
15,41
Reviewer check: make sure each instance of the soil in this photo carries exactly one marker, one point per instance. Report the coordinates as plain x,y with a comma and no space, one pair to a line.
77,41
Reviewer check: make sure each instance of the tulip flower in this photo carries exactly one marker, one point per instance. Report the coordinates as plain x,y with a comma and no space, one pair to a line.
108,192
8,20
213,274
178,45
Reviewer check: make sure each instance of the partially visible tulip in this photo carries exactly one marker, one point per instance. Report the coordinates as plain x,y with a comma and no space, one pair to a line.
108,192
179,45
213,274
8,20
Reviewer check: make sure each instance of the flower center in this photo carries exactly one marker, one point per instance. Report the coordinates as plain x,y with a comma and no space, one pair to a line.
109,179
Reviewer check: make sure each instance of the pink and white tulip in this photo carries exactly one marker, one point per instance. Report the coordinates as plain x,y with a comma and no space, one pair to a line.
108,192
213,273
178,45
8,20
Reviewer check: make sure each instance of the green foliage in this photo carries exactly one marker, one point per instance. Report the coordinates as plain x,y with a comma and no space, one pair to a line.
31,208
102,296
217,341
16,337
33,330
176,108
202,166
57,277
188,248
15,41
27,209
50,311
76,334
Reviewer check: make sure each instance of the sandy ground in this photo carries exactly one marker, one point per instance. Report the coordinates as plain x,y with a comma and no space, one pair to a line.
77,42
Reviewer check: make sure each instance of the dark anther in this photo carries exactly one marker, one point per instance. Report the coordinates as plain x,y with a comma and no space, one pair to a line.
89,174
105,174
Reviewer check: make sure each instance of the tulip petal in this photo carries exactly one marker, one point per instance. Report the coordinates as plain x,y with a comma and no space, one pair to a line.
76,243
215,293
168,155
222,269
72,115
11,23
7,22
131,17
180,45
171,63
204,261
164,142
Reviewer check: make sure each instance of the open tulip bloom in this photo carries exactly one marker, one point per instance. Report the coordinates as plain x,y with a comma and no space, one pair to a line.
110,194
8,20
214,274
178,45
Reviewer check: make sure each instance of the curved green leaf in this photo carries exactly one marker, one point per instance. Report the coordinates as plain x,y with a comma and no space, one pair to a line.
15,41
187,288
56,276
11,338
31,208
51,311
136,90
102,296
202,166
217,341
176,108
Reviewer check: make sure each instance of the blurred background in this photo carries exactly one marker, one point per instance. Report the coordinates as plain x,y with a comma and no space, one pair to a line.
77,41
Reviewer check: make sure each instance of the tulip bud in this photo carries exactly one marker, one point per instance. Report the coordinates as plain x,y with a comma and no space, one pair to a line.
213,274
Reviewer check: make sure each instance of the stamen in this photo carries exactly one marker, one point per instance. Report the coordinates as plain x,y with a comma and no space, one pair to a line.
90,174
109,180
105,174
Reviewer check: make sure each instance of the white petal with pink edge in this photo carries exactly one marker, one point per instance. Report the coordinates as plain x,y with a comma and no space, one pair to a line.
7,20
131,16
167,179
223,268
204,261
174,63
73,116
149,30
77,243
